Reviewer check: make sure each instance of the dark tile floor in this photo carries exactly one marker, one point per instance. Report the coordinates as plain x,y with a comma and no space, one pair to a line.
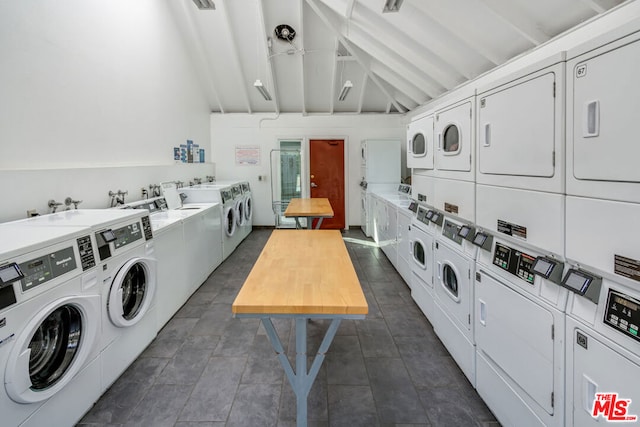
208,369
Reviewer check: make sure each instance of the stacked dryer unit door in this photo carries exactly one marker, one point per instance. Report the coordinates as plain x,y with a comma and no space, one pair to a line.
603,207
520,204
123,241
420,154
454,269
50,324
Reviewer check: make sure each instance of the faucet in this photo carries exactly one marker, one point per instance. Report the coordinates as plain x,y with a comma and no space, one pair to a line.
179,184
69,201
53,205
197,180
210,178
145,193
155,190
117,198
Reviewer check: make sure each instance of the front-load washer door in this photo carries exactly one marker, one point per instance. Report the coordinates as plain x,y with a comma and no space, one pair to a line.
55,344
453,285
240,219
132,292
421,249
229,221
248,209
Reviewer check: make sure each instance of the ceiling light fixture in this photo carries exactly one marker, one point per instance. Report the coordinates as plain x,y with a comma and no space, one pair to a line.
263,91
345,90
392,6
205,4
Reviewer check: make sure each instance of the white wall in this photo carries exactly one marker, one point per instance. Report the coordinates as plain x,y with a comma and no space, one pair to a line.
231,130
88,84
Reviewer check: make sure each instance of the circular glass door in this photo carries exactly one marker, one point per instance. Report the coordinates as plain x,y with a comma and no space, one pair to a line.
54,346
131,292
134,288
450,280
451,139
230,221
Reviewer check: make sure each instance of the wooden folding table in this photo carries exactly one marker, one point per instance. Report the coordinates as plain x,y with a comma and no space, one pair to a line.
311,209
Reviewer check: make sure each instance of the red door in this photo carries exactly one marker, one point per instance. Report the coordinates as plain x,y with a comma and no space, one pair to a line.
326,170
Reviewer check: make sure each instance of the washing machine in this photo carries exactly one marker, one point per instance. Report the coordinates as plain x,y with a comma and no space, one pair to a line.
248,209
454,269
222,194
602,116
391,203
603,313
367,204
50,322
421,238
519,324
521,128
123,241
420,147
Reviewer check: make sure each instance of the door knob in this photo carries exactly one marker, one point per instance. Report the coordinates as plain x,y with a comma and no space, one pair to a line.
314,185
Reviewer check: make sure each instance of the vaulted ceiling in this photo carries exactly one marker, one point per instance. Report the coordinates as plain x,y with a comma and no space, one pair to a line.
394,61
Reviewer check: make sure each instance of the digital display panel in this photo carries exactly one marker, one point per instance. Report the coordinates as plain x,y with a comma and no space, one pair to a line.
577,281
10,273
108,236
543,267
464,231
430,214
435,217
480,239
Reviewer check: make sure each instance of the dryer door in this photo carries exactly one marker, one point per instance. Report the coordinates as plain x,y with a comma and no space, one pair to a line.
52,348
454,138
132,292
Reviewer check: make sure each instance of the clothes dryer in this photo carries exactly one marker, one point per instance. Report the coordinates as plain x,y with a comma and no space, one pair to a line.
519,332
123,239
521,128
454,269
455,139
420,147
50,323
602,116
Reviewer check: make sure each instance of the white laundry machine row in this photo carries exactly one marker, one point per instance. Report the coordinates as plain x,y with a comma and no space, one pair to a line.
50,324
421,247
454,268
519,323
603,312
520,140
127,274
602,116
367,206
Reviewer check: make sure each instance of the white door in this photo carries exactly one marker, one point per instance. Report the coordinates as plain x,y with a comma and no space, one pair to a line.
516,334
520,130
420,143
603,111
454,139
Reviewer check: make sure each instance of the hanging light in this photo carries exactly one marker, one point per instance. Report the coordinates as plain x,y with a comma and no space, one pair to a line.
392,6
345,90
263,91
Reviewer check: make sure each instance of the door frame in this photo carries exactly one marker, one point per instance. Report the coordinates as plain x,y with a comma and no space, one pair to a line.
307,160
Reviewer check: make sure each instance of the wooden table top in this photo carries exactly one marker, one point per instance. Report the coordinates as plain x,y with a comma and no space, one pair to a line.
316,207
302,272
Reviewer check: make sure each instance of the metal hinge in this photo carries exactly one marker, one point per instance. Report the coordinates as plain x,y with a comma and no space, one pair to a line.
469,318
554,89
552,399
553,159
553,332
469,271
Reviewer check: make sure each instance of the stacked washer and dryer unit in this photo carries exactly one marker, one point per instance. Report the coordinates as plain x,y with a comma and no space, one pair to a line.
602,234
555,292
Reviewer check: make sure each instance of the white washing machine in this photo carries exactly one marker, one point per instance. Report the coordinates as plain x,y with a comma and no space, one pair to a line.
602,116
248,209
422,260
50,323
603,348
405,216
521,129
123,239
454,269
455,139
367,204
390,204
420,146
519,324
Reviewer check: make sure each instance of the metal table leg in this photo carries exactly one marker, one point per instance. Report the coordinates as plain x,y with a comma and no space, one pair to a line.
319,223
301,380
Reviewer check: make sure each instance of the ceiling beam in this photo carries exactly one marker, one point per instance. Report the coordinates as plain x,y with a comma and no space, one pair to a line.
364,80
347,45
511,15
267,51
432,14
350,5
301,34
411,54
409,90
236,58
597,5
